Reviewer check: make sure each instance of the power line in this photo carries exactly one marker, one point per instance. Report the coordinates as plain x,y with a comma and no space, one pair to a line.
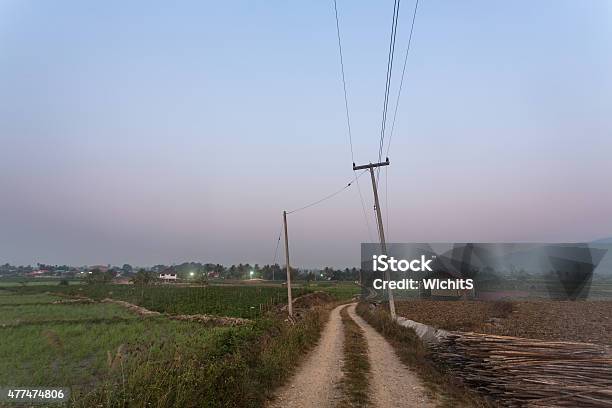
365,215
328,196
390,59
416,5
348,119
277,243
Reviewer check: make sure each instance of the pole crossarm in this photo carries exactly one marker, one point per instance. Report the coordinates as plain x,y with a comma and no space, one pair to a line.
371,165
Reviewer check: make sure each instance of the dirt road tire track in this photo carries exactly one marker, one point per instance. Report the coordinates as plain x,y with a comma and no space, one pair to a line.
315,382
393,384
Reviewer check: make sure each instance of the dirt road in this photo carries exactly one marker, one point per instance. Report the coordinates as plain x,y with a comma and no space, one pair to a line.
315,384
393,384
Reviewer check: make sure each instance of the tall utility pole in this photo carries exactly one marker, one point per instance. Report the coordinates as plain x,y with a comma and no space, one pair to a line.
381,230
289,300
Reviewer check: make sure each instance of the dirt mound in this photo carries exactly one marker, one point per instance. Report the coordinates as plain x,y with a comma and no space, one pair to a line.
212,320
141,311
313,299
73,301
199,318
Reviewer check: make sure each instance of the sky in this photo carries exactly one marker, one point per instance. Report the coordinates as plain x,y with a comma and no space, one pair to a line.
147,132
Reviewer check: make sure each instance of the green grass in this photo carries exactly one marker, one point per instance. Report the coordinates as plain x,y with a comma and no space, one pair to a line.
234,301
240,369
8,298
355,383
340,291
27,314
75,354
111,362
17,282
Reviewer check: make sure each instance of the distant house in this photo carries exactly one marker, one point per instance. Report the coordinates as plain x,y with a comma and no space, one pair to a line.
168,275
37,273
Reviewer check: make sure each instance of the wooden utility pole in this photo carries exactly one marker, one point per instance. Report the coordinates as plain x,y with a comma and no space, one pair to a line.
289,299
381,230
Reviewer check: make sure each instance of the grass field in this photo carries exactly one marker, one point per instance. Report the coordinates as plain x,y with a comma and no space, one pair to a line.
246,301
16,282
339,290
242,301
37,313
112,357
9,298
75,353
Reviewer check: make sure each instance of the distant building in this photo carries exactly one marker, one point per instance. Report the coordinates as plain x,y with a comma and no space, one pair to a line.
168,275
37,273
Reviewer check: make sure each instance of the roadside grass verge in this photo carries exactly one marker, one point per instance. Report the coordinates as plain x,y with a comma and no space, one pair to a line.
414,353
355,383
159,362
241,368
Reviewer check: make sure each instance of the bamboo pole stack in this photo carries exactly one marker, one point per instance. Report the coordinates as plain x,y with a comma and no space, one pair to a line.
519,372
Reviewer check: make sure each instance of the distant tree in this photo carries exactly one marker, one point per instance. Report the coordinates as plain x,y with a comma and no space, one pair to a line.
63,282
202,278
98,276
127,268
309,277
143,277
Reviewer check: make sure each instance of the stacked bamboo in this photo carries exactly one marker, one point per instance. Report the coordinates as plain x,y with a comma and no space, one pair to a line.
518,372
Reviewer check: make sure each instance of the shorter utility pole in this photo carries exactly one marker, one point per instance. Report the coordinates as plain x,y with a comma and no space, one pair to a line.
381,230
289,299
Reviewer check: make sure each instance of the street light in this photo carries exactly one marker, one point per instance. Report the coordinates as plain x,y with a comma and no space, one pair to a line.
251,273
191,273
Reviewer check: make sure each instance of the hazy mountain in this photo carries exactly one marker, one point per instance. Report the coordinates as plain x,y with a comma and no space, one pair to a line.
602,241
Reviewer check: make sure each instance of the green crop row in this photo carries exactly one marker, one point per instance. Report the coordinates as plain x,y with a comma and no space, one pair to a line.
234,301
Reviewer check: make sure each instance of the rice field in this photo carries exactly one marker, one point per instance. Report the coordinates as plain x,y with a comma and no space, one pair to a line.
110,356
8,298
234,301
39,313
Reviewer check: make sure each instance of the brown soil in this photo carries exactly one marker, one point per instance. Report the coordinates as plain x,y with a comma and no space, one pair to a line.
312,299
588,321
73,301
315,383
212,320
393,384
140,311
199,318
